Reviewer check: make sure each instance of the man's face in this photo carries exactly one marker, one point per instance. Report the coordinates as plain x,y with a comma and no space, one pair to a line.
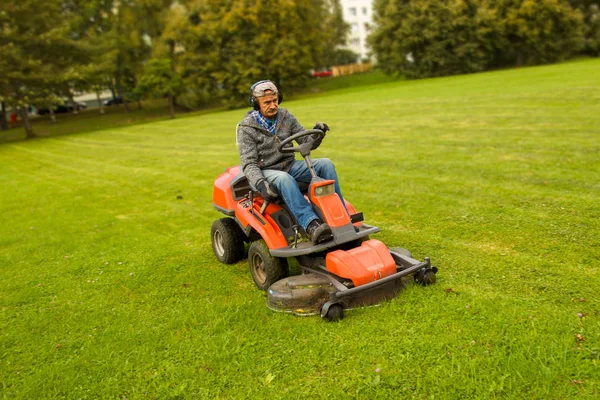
269,105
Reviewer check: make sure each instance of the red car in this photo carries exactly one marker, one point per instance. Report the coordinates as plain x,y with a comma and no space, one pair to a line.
322,74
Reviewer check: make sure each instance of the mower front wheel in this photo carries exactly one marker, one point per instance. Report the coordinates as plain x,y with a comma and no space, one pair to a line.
332,312
227,240
425,276
264,268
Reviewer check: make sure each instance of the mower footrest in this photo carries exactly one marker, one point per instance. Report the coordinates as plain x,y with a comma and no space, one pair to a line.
358,217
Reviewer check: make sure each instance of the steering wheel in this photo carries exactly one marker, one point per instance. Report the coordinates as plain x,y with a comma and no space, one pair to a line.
302,148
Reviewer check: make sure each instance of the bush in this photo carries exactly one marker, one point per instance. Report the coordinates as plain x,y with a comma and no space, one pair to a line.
432,38
343,57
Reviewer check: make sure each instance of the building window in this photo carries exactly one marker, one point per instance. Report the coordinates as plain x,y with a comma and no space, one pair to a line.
364,10
355,42
352,11
354,27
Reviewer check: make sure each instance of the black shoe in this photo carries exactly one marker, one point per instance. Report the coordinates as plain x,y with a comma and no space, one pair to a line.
318,231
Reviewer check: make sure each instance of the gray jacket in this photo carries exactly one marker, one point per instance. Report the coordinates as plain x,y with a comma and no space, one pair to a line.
258,147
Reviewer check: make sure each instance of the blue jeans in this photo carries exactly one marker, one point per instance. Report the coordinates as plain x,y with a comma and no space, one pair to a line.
288,188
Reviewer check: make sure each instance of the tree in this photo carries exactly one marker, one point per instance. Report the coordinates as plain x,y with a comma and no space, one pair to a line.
3,122
433,38
36,53
337,34
421,38
96,23
590,9
343,57
161,75
231,43
161,80
541,31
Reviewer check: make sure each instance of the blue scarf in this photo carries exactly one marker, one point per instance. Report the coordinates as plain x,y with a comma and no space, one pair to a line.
268,124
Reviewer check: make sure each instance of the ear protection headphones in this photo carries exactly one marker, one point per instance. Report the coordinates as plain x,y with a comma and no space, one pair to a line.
254,101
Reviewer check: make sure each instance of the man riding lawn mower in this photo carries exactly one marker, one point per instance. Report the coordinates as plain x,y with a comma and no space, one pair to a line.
294,208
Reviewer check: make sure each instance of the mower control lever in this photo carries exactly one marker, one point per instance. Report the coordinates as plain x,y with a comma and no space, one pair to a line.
264,207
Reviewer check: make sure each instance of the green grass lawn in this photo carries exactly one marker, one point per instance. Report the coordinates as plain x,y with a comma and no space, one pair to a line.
109,288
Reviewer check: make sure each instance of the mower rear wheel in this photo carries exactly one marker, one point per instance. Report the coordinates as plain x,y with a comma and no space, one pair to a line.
264,268
227,240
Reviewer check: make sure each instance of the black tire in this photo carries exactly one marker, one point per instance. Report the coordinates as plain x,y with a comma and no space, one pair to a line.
264,268
227,240
425,277
335,313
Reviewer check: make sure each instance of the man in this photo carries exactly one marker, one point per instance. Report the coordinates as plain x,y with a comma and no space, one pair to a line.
272,172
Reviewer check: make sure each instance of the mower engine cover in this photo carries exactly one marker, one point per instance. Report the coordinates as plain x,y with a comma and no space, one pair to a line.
363,264
225,193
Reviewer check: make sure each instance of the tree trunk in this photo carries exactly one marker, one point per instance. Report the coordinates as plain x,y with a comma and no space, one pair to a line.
172,97
120,90
139,104
23,111
100,103
118,72
519,59
172,106
26,123
72,100
52,115
3,121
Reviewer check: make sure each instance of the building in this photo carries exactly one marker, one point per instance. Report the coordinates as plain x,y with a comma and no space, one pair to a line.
359,15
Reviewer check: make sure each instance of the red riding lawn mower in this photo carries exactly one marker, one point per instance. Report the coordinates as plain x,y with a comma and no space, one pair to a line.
348,271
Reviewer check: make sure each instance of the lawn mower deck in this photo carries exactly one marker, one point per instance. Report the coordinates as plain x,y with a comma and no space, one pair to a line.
318,291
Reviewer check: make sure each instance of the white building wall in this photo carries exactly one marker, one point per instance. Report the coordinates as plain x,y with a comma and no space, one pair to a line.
359,15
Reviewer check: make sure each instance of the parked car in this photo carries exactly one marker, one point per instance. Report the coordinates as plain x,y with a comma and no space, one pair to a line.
114,100
63,108
81,105
322,74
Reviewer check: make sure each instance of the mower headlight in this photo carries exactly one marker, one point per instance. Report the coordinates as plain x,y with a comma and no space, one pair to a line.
324,190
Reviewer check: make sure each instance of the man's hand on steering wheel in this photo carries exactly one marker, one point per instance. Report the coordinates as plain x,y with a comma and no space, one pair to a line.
322,126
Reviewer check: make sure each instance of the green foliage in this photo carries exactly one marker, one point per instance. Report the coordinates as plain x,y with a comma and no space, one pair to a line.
36,51
336,29
218,48
39,53
432,38
230,44
343,57
541,31
590,9
159,79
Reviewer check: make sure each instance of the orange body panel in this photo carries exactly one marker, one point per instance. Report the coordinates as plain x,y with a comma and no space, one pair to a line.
263,224
367,263
222,195
331,206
